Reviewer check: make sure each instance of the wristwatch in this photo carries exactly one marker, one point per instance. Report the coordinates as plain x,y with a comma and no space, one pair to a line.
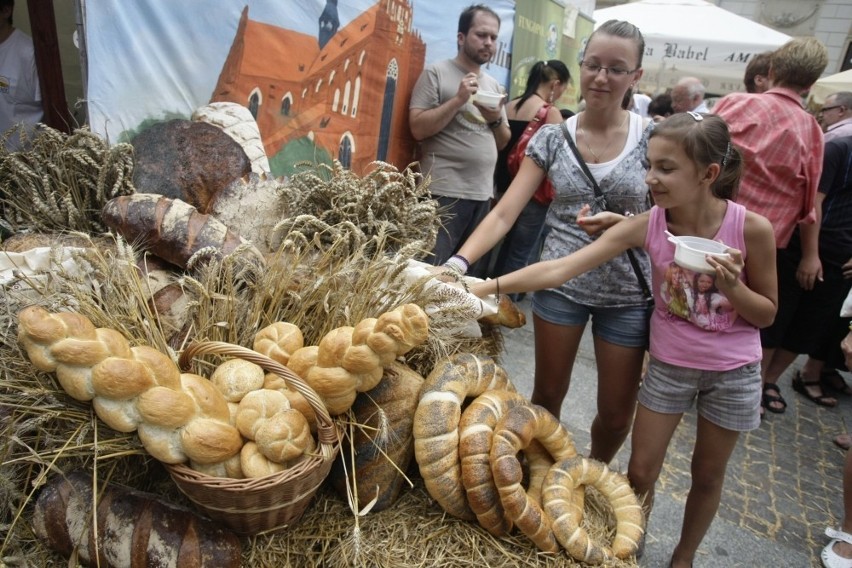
496,124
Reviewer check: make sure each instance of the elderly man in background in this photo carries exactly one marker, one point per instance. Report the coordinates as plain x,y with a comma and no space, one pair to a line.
688,95
835,116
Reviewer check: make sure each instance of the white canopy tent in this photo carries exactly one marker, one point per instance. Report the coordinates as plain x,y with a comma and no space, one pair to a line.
693,38
832,84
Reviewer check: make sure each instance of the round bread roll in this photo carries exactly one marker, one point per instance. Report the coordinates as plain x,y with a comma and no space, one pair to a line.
436,422
230,468
272,381
279,341
284,436
256,407
255,464
563,486
515,431
237,377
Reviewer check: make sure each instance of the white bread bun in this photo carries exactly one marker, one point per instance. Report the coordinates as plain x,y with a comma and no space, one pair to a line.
279,341
236,377
229,468
285,436
256,407
255,464
273,382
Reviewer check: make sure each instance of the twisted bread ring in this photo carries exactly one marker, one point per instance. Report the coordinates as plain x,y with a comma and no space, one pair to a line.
515,432
436,422
561,487
476,431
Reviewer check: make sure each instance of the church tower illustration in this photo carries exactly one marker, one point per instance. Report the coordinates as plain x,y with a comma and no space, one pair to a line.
342,94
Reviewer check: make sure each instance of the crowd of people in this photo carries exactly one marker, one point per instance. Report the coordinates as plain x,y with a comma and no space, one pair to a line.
755,171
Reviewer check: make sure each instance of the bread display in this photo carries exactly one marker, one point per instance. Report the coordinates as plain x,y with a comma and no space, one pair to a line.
436,424
476,430
178,416
382,441
563,486
349,360
134,529
514,432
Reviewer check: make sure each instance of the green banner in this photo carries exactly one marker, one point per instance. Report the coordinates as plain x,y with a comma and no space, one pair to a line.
578,28
538,36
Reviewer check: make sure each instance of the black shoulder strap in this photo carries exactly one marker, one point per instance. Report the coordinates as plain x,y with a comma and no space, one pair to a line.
601,199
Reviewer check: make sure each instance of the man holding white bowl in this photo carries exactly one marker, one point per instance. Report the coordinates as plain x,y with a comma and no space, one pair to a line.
457,114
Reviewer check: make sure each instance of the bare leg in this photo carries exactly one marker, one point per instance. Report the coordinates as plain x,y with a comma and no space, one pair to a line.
619,373
652,432
844,549
555,351
713,448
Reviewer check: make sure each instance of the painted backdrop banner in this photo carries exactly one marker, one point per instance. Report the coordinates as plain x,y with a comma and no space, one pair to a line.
324,79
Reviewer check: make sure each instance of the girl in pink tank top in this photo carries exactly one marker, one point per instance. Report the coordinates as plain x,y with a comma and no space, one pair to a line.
705,343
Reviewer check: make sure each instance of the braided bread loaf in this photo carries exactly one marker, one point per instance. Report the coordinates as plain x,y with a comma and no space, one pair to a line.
514,432
349,360
476,430
178,417
564,483
436,423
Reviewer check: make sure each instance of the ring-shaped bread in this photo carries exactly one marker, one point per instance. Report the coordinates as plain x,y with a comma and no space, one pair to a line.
436,424
515,432
563,503
476,431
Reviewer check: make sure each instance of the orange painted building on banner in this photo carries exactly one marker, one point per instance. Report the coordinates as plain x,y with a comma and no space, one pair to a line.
347,90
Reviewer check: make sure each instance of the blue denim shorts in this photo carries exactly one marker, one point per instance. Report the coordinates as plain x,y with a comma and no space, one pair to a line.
730,399
627,327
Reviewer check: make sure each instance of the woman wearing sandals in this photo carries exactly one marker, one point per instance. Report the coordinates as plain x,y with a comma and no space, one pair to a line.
613,142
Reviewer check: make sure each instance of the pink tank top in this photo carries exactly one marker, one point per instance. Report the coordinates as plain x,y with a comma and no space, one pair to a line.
693,324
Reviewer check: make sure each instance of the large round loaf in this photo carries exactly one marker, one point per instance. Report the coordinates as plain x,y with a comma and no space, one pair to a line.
381,440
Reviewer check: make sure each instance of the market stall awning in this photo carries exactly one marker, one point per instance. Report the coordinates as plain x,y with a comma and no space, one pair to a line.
831,84
694,38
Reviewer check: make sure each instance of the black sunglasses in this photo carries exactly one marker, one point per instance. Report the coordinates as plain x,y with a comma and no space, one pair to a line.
823,109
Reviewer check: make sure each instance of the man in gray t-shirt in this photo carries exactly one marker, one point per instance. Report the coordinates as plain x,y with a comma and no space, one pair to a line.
459,137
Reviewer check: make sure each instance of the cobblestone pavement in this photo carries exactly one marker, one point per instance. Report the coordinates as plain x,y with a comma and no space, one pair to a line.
783,485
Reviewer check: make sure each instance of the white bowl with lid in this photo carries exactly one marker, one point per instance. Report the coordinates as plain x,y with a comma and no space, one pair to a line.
691,252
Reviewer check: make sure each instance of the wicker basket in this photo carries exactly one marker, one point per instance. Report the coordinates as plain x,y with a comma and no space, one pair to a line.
264,504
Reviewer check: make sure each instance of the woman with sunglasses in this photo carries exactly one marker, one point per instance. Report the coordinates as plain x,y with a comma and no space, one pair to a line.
613,143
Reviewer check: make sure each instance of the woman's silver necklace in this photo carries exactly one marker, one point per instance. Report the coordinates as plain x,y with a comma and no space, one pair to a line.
586,139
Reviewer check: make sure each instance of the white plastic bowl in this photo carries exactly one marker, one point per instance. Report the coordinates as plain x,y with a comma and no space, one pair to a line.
691,252
488,99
